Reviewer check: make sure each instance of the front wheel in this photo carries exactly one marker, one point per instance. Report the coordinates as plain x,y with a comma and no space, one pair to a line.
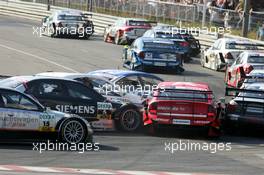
130,120
73,131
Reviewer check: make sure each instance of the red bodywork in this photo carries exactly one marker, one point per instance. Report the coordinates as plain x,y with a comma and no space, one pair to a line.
235,75
182,103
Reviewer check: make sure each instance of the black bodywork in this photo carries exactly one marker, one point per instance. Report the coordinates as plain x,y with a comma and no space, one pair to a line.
73,97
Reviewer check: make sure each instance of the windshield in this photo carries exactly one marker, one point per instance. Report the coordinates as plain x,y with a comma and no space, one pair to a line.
168,35
183,95
70,17
158,45
256,59
237,46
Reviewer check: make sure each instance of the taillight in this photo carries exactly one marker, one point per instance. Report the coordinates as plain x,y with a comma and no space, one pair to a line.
59,24
120,32
184,44
153,108
247,68
141,55
229,56
211,111
232,106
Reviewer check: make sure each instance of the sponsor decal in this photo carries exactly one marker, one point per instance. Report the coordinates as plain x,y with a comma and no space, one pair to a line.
76,109
12,119
47,122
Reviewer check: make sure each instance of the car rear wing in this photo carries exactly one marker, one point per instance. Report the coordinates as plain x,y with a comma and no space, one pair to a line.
152,23
185,91
247,93
87,15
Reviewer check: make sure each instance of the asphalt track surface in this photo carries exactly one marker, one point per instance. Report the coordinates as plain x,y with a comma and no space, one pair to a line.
22,53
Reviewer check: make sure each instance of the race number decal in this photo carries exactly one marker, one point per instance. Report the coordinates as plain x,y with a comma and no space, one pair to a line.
104,110
47,122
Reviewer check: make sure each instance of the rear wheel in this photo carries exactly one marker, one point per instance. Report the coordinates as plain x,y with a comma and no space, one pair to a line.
117,39
130,120
106,36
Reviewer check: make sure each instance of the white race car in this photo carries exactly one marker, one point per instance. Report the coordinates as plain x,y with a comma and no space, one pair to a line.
22,117
224,52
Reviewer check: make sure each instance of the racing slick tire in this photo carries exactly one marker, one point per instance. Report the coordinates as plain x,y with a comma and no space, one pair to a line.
106,36
117,39
130,119
74,131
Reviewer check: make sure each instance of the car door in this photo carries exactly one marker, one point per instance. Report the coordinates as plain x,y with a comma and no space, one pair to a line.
19,114
84,100
129,85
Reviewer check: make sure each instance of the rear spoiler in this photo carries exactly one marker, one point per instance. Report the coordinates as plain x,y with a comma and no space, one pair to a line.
150,22
87,15
184,91
234,92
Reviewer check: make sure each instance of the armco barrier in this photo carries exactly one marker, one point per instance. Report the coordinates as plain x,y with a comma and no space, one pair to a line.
37,11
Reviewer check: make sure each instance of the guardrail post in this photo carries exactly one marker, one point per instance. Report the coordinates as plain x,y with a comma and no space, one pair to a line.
48,5
246,18
204,13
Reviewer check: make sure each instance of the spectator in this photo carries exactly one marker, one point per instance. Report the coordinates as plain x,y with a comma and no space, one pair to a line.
260,33
230,4
239,8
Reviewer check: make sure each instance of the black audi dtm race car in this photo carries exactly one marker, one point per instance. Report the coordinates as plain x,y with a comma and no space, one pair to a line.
74,97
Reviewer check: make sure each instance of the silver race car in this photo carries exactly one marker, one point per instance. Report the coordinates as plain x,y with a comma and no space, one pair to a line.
22,117
68,22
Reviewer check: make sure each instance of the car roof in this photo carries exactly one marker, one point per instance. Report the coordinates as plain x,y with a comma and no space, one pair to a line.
196,86
71,76
15,81
114,73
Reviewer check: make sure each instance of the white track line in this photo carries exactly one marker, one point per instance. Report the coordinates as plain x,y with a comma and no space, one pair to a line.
38,57
15,168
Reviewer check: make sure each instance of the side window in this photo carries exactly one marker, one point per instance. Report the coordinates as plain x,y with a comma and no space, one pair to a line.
79,91
128,82
149,81
48,88
18,101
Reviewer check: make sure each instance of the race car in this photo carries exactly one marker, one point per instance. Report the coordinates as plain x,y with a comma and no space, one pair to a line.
126,30
182,45
126,81
145,53
255,76
180,104
100,84
244,64
68,23
23,117
224,52
184,33
246,108
74,97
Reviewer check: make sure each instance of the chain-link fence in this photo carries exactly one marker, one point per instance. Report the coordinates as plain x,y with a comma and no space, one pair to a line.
168,12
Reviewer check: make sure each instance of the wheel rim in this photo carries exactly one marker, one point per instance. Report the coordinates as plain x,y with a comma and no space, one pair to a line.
73,132
130,120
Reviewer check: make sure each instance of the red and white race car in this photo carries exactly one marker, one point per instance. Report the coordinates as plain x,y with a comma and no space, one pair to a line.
182,104
241,68
126,30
